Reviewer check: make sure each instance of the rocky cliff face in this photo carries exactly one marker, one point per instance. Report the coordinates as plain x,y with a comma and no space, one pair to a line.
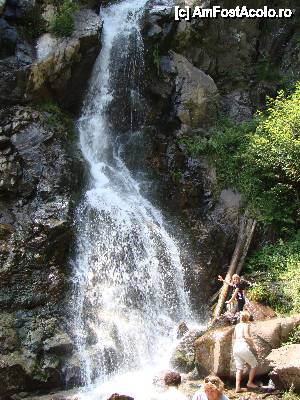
38,189
37,194
47,67
197,71
194,70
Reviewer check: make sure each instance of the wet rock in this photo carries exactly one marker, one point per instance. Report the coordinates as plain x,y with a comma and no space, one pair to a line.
117,396
183,358
223,320
214,348
213,352
285,363
182,330
60,343
4,142
14,369
35,238
67,65
9,340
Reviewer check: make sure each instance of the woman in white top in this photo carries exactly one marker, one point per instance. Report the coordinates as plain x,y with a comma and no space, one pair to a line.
242,353
172,382
212,389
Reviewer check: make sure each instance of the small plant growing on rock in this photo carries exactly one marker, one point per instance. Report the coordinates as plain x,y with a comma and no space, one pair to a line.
156,59
294,337
57,119
290,394
63,21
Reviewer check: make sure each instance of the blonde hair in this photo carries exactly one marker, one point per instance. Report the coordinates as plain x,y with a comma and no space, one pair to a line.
244,316
235,276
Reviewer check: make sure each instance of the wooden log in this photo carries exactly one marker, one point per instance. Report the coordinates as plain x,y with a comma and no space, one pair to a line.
245,235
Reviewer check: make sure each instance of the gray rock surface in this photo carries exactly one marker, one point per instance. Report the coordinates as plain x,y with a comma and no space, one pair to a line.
65,70
285,363
37,189
196,97
183,357
62,72
214,348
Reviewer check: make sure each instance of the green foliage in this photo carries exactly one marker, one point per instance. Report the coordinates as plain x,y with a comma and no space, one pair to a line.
276,268
290,395
156,58
63,21
57,119
262,292
266,71
184,39
195,146
176,175
261,159
294,337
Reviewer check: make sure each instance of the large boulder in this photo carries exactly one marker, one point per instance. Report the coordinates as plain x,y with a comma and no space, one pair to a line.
285,363
196,95
214,348
183,358
213,352
259,311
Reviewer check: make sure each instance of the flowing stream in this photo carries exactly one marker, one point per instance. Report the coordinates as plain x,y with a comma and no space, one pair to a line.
129,279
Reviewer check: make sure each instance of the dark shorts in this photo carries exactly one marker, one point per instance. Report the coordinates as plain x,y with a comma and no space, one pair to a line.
241,304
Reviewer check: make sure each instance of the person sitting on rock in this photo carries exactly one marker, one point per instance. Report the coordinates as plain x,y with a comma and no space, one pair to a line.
242,353
238,291
212,389
172,381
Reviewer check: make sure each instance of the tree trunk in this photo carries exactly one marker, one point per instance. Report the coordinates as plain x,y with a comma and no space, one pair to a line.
246,231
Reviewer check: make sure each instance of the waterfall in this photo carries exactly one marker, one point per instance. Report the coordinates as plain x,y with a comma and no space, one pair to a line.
128,275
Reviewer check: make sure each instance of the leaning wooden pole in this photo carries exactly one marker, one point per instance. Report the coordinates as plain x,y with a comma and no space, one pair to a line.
231,270
249,236
246,231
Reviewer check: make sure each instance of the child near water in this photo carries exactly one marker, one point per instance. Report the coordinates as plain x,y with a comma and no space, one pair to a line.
238,292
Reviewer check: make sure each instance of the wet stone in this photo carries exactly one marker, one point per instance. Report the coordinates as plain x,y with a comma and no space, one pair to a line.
4,142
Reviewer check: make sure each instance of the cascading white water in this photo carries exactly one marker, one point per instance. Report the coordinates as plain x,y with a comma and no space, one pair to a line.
128,276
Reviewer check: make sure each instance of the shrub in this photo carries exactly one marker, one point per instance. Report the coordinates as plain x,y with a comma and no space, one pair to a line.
63,21
290,395
261,159
277,270
294,337
57,119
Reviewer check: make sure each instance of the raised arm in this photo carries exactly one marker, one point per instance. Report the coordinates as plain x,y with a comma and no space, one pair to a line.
224,280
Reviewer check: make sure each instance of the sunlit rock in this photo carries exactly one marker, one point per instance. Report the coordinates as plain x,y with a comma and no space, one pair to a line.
214,348
285,363
196,96
60,69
